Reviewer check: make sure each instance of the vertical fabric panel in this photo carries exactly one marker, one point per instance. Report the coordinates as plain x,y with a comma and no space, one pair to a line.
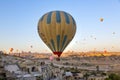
58,18
64,40
49,18
58,41
67,18
52,42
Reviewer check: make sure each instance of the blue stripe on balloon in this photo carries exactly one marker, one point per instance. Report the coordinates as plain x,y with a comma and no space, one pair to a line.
66,18
64,40
58,18
58,41
73,21
49,18
65,45
52,42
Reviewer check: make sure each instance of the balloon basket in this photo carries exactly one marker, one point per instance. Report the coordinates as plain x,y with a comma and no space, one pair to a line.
57,59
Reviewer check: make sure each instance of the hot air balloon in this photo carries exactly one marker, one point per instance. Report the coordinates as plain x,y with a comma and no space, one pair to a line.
51,58
113,33
57,29
91,36
11,49
101,19
31,46
105,51
95,38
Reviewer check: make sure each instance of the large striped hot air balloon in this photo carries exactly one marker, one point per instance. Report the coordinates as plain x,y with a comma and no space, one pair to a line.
56,29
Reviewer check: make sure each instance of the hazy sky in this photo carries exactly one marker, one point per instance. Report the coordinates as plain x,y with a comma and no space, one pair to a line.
19,19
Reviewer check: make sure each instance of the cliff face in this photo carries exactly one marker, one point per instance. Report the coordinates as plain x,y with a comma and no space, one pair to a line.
67,54
2,71
87,54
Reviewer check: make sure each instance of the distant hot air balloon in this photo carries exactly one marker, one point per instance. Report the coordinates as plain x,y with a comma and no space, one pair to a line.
57,29
105,51
113,33
95,38
101,19
11,49
51,58
31,46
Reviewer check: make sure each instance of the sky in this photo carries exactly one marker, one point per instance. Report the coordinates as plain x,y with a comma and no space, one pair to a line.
19,20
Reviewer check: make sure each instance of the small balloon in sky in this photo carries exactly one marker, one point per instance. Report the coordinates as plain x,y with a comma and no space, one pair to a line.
11,49
51,58
101,19
31,46
95,38
105,51
113,33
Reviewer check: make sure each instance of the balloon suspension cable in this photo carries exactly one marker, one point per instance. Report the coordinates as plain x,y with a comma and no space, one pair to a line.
58,59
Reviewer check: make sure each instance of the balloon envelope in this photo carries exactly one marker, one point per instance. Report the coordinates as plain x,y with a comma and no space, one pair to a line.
101,19
105,51
113,32
11,49
51,58
31,46
56,29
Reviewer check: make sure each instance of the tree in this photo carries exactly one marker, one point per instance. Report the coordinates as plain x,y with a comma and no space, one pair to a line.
107,79
86,76
114,76
52,64
104,74
97,68
1,79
